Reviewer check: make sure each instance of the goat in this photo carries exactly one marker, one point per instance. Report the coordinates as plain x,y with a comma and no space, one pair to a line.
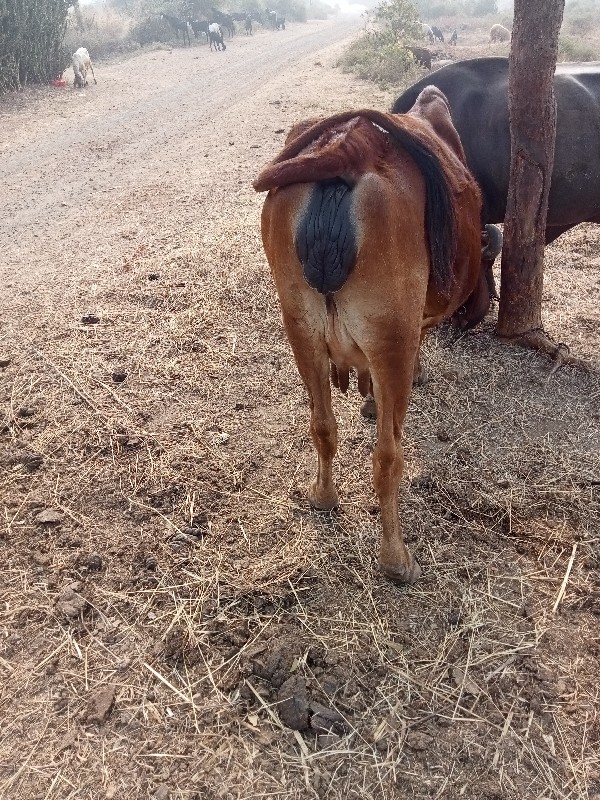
427,32
81,62
421,55
437,33
199,26
372,231
177,25
275,20
215,36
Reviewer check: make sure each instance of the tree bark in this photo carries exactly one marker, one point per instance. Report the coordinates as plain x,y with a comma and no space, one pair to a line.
532,109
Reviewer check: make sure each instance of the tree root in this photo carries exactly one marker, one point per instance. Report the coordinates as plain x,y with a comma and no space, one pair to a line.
538,339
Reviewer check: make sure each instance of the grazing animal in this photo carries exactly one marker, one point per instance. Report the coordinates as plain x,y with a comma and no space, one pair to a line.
224,20
81,62
498,33
199,26
437,33
371,230
177,25
421,55
275,20
248,25
428,33
215,36
477,93
454,38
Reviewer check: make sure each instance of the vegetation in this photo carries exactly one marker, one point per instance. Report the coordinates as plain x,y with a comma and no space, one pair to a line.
570,49
31,35
376,58
381,55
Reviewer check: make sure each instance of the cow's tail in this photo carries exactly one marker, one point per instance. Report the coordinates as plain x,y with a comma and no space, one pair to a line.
325,236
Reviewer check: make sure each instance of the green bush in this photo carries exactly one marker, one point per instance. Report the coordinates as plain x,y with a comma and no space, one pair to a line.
377,57
31,35
575,50
400,18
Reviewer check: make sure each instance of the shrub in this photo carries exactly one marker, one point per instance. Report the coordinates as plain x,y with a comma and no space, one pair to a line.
400,18
31,34
575,50
377,57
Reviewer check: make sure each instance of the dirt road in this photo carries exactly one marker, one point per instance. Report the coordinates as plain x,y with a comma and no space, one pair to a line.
159,136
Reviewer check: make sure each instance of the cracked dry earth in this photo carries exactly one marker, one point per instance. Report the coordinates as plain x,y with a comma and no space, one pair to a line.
175,622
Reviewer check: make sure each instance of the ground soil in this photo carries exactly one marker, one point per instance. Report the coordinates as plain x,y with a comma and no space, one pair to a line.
175,622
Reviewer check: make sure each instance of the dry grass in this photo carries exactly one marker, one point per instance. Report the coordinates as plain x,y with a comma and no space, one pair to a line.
206,580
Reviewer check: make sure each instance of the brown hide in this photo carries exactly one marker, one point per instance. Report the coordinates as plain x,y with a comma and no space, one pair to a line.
374,324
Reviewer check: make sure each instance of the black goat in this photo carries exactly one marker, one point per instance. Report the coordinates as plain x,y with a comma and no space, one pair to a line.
215,36
177,25
199,26
437,33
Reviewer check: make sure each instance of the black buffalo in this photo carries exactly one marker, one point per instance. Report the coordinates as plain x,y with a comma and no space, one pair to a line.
477,93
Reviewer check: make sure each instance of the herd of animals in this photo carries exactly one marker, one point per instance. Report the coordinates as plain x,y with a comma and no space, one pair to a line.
425,58
220,21
212,28
378,226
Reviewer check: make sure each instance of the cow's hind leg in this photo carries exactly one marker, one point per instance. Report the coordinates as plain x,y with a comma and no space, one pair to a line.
392,386
312,359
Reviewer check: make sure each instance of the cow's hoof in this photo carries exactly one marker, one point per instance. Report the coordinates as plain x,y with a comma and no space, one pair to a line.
400,573
420,377
369,409
323,500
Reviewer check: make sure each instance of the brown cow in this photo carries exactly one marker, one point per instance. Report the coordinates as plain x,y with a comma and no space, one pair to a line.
371,228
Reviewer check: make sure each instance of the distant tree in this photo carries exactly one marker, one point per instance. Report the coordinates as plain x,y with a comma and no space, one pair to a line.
482,7
401,17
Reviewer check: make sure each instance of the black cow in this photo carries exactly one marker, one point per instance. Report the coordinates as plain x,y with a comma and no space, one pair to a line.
437,33
477,93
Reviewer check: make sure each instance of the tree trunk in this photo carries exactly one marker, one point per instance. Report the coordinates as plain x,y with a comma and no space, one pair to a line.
532,110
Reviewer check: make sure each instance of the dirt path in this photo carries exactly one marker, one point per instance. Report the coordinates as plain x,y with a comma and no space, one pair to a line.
140,149
163,584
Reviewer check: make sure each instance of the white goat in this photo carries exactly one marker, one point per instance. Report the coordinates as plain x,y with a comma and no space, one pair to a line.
81,63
